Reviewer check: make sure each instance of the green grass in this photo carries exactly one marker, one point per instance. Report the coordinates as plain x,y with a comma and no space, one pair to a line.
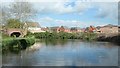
16,44
89,36
63,35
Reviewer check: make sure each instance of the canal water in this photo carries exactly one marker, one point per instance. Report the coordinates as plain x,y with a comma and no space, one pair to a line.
65,53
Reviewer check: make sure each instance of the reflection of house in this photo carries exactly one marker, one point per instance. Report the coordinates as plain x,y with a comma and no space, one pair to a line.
108,29
34,27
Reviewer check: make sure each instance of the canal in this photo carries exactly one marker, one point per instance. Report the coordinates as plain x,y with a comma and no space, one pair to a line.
65,53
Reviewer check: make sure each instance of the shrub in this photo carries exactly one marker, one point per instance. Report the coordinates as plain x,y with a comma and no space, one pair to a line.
15,45
63,35
88,36
30,41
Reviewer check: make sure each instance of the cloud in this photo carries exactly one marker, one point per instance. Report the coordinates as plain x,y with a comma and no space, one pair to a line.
60,7
63,0
104,9
109,10
53,7
47,21
82,6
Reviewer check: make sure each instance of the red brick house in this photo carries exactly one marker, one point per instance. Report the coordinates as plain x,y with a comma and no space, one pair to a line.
45,29
75,30
64,29
90,29
34,27
54,29
60,29
108,29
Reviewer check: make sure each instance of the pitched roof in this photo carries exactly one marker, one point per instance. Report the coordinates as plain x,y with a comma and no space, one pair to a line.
75,28
33,24
65,27
110,25
54,27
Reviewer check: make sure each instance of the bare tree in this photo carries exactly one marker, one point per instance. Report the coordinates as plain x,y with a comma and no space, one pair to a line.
18,10
4,13
22,10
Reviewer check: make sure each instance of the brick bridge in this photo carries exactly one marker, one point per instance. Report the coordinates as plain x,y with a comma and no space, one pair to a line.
16,32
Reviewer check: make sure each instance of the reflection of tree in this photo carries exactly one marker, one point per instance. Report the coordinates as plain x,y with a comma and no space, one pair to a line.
106,45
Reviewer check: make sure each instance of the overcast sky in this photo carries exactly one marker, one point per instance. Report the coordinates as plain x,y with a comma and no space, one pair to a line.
75,12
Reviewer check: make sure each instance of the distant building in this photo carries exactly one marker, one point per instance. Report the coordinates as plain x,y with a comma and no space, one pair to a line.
54,29
109,29
118,29
91,29
33,24
83,29
34,27
64,29
75,30
45,29
60,29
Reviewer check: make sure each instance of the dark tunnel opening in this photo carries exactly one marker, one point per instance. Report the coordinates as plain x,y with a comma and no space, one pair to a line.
15,34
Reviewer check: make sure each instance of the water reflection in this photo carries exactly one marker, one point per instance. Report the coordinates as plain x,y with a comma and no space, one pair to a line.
66,53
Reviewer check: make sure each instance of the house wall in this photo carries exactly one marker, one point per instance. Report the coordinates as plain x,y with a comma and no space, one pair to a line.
67,30
35,30
61,29
119,29
109,30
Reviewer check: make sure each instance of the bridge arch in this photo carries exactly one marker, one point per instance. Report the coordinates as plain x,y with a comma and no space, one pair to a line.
15,34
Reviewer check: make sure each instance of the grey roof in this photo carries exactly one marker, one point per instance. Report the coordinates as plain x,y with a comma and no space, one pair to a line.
75,28
66,27
110,25
54,27
33,24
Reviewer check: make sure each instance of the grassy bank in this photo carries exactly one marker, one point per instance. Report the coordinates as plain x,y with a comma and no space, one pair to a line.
63,35
16,44
10,44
